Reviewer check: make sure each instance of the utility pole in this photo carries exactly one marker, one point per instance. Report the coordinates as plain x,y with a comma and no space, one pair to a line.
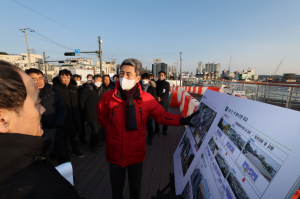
180,67
28,52
176,72
100,54
45,65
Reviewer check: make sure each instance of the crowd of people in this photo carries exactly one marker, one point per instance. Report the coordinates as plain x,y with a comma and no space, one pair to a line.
39,120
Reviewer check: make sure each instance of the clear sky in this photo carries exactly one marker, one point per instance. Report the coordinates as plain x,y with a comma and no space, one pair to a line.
257,34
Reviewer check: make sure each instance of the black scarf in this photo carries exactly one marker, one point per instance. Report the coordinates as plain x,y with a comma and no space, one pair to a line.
130,117
160,84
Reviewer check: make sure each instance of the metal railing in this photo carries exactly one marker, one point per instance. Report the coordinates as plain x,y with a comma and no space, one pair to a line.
280,94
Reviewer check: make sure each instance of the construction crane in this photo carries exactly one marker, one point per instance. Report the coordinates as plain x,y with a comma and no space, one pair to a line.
271,78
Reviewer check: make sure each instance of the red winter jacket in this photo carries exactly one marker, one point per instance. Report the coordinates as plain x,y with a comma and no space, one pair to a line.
129,147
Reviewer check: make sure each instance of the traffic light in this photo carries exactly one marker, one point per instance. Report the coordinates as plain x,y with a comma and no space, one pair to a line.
69,53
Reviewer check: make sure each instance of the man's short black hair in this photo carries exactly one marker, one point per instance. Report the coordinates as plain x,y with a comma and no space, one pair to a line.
97,76
74,76
117,76
33,70
106,76
13,90
65,72
78,76
90,75
162,72
145,76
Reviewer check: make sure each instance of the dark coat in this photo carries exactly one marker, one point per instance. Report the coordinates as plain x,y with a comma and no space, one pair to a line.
152,89
129,147
25,174
104,88
89,98
56,113
164,96
70,97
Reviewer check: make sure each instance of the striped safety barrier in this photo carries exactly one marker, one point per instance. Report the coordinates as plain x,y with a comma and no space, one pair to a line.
187,103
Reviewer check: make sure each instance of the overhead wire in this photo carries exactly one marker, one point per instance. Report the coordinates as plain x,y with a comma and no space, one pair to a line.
50,42
11,41
65,25
78,32
53,20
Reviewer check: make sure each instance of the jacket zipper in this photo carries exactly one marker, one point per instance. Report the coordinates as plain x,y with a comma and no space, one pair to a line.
113,112
168,118
141,116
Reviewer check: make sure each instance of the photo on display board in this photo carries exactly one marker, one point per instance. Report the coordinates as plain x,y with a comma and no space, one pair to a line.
236,187
202,122
224,125
236,138
225,169
186,154
199,186
213,146
186,193
261,161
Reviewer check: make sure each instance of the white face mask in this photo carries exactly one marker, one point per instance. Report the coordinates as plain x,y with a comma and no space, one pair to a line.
127,84
98,84
145,82
78,83
161,78
89,80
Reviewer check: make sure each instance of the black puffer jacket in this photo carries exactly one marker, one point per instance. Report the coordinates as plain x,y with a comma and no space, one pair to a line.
24,173
70,97
162,91
88,101
55,114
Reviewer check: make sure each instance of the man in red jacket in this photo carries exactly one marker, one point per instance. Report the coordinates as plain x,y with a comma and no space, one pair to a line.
123,113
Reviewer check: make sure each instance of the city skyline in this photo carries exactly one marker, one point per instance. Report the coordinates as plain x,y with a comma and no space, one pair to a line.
256,34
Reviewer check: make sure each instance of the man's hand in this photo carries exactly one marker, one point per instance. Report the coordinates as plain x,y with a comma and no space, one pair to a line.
187,120
158,99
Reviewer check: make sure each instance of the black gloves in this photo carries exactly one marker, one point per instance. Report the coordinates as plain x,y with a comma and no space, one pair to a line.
187,120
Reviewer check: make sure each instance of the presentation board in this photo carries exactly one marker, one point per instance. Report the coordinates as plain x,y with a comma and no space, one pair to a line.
240,149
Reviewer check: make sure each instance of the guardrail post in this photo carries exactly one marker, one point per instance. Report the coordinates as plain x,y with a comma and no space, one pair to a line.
269,94
289,98
256,92
265,93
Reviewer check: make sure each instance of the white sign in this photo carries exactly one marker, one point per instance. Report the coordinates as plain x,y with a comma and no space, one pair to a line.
239,93
238,149
156,61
